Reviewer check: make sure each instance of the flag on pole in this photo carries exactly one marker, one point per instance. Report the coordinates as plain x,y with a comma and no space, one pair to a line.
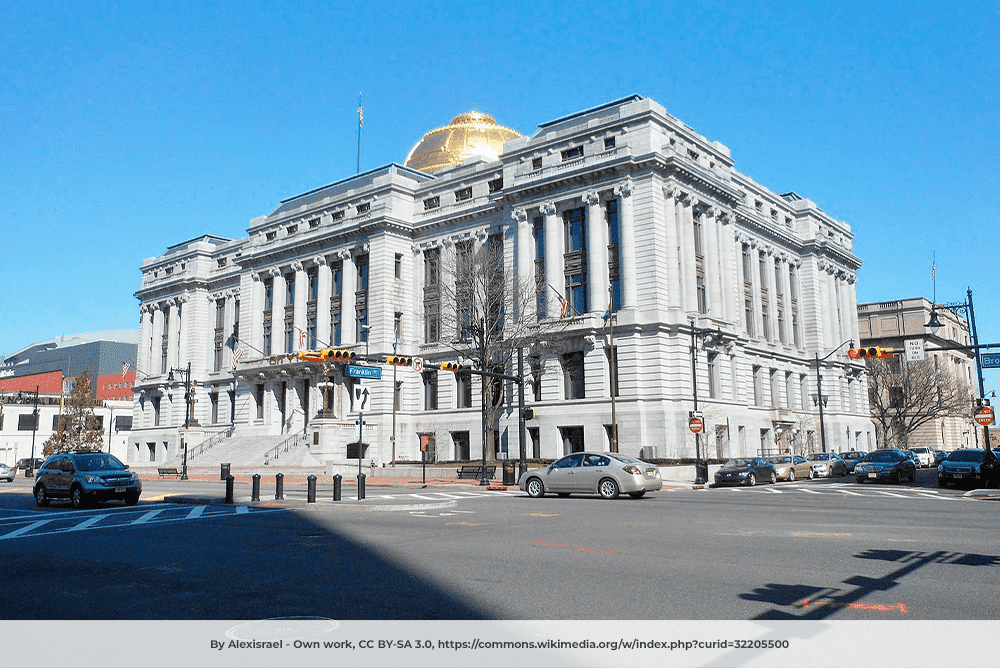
237,356
933,269
125,368
361,117
564,309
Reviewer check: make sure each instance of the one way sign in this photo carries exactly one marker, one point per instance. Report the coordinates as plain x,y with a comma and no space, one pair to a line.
361,395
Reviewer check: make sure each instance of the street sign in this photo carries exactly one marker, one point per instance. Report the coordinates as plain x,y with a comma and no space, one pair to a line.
696,425
418,364
984,416
990,360
914,350
361,395
355,371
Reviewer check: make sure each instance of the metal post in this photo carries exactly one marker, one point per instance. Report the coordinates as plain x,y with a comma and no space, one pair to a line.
819,398
521,427
229,488
279,487
361,486
484,482
614,370
311,489
29,472
694,384
255,487
187,419
337,482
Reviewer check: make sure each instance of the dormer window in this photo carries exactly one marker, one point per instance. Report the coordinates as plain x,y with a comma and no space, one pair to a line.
463,194
364,208
338,215
314,223
609,143
292,229
572,153
169,271
222,261
432,203
536,163
271,236
496,185
758,205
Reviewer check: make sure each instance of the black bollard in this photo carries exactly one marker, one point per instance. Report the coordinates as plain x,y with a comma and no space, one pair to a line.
361,486
311,493
337,480
255,489
279,486
229,488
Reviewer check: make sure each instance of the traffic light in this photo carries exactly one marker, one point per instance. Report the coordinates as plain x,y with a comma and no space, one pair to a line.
870,351
339,355
528,413
398,360
450,366
312,355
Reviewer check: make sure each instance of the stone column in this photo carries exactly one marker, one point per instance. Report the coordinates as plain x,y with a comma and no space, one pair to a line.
713,261
418,331
348,314
673,269
729,282
278,314
690,303
525,289
554,250
256,315
325,277
627,250
597,254
156,342
145,334
299,313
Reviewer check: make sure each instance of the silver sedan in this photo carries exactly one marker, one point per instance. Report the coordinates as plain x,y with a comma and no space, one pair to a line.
6,473
604,473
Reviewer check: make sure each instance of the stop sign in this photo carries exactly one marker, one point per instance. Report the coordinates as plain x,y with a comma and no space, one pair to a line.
696,424
984,416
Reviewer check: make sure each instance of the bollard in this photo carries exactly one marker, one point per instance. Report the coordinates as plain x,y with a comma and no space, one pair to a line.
337,480
311,493
361,486
279,486
255,489
229,488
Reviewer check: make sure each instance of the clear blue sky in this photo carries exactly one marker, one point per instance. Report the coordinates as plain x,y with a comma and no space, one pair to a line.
128,127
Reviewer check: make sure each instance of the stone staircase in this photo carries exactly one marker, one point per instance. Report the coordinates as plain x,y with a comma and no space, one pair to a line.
243,451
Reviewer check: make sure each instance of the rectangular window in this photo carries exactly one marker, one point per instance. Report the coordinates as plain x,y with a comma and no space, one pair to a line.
789,390
575,260
775,390
572,153
758,387
464,287
765,301
430,390
213,398
361,299
793,299
713,375
26,422
779,301
463,194
748,292
432,203
538,232
339,215
364,208
496,185
220,334
397,269
609,143
614,270
432,295
463,390
574,386
535,365
536,163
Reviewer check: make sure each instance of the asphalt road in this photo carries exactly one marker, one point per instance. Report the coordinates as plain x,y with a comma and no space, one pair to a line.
827,549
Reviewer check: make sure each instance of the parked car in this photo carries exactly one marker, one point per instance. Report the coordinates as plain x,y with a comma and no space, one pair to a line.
925,455
745,471
892,465
84,478
969,467
789,467
25,463
827,464
604,473
852,458
914,456
6,473
940,456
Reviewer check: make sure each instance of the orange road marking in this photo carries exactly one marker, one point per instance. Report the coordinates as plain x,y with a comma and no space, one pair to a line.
878,607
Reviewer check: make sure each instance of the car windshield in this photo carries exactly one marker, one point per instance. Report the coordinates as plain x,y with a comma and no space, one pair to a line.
851,455
780,460
737,462
966,456
97,462
820,456
884,456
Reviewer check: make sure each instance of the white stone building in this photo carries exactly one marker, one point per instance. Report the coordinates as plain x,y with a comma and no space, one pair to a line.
623,195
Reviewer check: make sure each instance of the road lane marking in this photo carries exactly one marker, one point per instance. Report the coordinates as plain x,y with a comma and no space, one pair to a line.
196,512
26,528
87,523
148,516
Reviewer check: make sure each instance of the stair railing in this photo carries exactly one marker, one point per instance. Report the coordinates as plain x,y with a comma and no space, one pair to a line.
209,443
284,446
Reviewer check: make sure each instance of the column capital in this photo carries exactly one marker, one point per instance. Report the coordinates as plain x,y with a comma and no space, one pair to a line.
320,260
547,208
296,265
520,215
591,198
625,188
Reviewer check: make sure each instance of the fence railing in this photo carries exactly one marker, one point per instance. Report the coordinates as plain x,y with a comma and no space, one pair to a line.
285,446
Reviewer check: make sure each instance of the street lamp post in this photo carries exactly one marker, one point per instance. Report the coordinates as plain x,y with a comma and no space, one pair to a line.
188,400
29,472
701,470
819,389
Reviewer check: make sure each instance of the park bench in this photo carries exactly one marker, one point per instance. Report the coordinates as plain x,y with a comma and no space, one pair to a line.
476,472
163,471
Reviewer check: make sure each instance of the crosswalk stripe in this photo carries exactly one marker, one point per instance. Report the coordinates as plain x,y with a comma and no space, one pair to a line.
148,516
196,512
26,528
87,523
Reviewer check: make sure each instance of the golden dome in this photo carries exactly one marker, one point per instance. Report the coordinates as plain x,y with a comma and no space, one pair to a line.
469,134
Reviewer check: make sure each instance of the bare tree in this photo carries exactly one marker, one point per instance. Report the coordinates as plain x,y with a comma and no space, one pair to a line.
485,318
77,429
907,395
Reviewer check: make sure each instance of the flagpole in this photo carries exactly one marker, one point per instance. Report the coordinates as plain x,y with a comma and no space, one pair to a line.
361,122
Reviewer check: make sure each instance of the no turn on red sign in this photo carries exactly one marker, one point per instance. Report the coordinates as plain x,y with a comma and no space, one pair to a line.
984,416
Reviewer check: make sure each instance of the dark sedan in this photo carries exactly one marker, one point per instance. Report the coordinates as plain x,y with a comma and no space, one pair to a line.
853,458
969,467
892,465
745,471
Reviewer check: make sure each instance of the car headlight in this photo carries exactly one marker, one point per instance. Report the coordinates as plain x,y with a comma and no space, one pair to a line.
940,468
91,478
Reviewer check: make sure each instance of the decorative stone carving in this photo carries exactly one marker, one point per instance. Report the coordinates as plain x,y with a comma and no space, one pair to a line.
625,188
591,198
520,215
547,209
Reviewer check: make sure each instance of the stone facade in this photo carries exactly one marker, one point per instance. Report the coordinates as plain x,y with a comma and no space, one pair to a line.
622,199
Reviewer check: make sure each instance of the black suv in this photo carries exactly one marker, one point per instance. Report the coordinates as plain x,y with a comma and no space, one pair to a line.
86,477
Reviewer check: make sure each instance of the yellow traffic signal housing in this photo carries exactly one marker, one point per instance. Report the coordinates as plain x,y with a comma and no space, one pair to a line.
869,352
450,366
398,360
339,355
312,355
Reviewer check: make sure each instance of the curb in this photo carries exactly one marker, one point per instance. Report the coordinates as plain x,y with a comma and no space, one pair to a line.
348,504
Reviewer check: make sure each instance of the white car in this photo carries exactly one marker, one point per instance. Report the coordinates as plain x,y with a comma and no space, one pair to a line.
6,473
926,456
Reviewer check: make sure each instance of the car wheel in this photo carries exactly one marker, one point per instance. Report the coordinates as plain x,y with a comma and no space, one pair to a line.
791,475
40,497
608,488
812,474
637,495
751,480
774,477
131,499
534,488
77,499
